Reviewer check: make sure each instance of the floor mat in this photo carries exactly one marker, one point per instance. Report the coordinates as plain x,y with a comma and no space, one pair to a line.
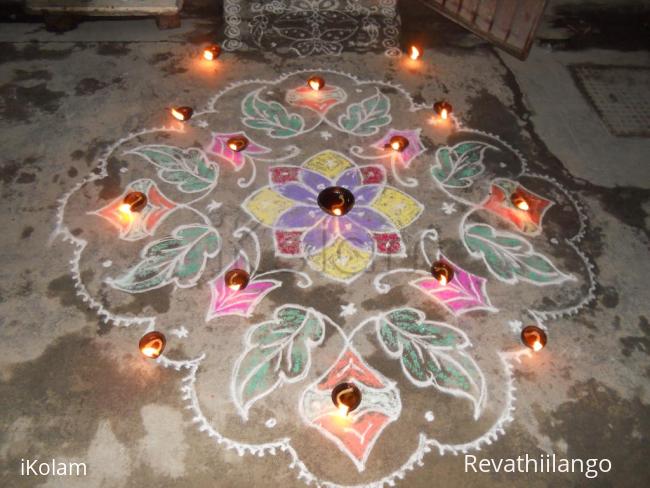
311,27
619,94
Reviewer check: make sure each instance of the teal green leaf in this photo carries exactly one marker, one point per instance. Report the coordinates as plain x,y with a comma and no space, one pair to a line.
432,354
457,166
510,257
276,352
271,117
179,258
188,169
366,117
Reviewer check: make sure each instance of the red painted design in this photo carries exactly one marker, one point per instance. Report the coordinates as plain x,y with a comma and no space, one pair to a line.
372,174
350,367
318,100
284,174
499,203
288,242
389,243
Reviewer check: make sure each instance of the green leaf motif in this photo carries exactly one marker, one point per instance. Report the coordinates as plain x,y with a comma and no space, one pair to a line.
366,117
270,117
188,169
457,166
511,258
179,258
432,354
276,352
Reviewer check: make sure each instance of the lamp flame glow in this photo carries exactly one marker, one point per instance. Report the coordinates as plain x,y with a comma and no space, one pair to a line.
534,337
236,279
520,202
182,113
237,143
443,109
442,272
211,52
346,397
316,83
152,344
414,53
398,143
336,200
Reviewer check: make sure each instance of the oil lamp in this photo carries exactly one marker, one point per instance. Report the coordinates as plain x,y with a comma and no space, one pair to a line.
237,143
414,53
346,397
316,83
236,279
519,201
443,109
533,337
182,113
134,201
442,272
398,143
211,52
152,344
336,200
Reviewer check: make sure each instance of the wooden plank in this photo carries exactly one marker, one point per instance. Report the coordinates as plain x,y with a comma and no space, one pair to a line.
510,24
105,7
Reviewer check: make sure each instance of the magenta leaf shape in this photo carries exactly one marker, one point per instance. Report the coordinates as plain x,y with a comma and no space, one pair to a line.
219,147
464,293
226,301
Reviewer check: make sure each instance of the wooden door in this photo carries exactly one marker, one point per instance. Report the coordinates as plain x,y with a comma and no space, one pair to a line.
510,24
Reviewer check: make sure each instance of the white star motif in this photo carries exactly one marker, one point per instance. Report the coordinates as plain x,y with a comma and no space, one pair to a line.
325,135
201,123
212,206
448,208
348,310
515,325
181,332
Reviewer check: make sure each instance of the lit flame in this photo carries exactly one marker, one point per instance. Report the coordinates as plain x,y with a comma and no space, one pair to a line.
396,145
314,84
415,53
178,115
150,352
444,114
442,280
208,55
337,211
537,346
125,212
234,286
343,410
233,146
522,204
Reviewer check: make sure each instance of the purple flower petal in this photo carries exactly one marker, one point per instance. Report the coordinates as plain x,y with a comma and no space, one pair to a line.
313,180
297,192
356,235
370,219
350,179
320,236
300,217
364,195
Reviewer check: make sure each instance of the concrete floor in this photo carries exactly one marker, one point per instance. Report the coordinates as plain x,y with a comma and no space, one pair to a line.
75,389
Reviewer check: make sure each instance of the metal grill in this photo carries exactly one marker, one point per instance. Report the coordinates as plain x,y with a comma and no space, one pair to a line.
619,94
510,24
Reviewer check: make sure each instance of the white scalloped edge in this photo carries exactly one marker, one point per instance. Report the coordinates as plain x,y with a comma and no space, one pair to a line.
190,397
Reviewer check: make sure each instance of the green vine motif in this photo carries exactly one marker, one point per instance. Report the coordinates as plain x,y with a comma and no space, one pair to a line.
511,258
271,117
432,354
189,169
368,116
179,258
458,166
277,352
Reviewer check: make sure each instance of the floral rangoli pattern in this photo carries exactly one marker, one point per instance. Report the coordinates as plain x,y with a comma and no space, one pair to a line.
330,299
